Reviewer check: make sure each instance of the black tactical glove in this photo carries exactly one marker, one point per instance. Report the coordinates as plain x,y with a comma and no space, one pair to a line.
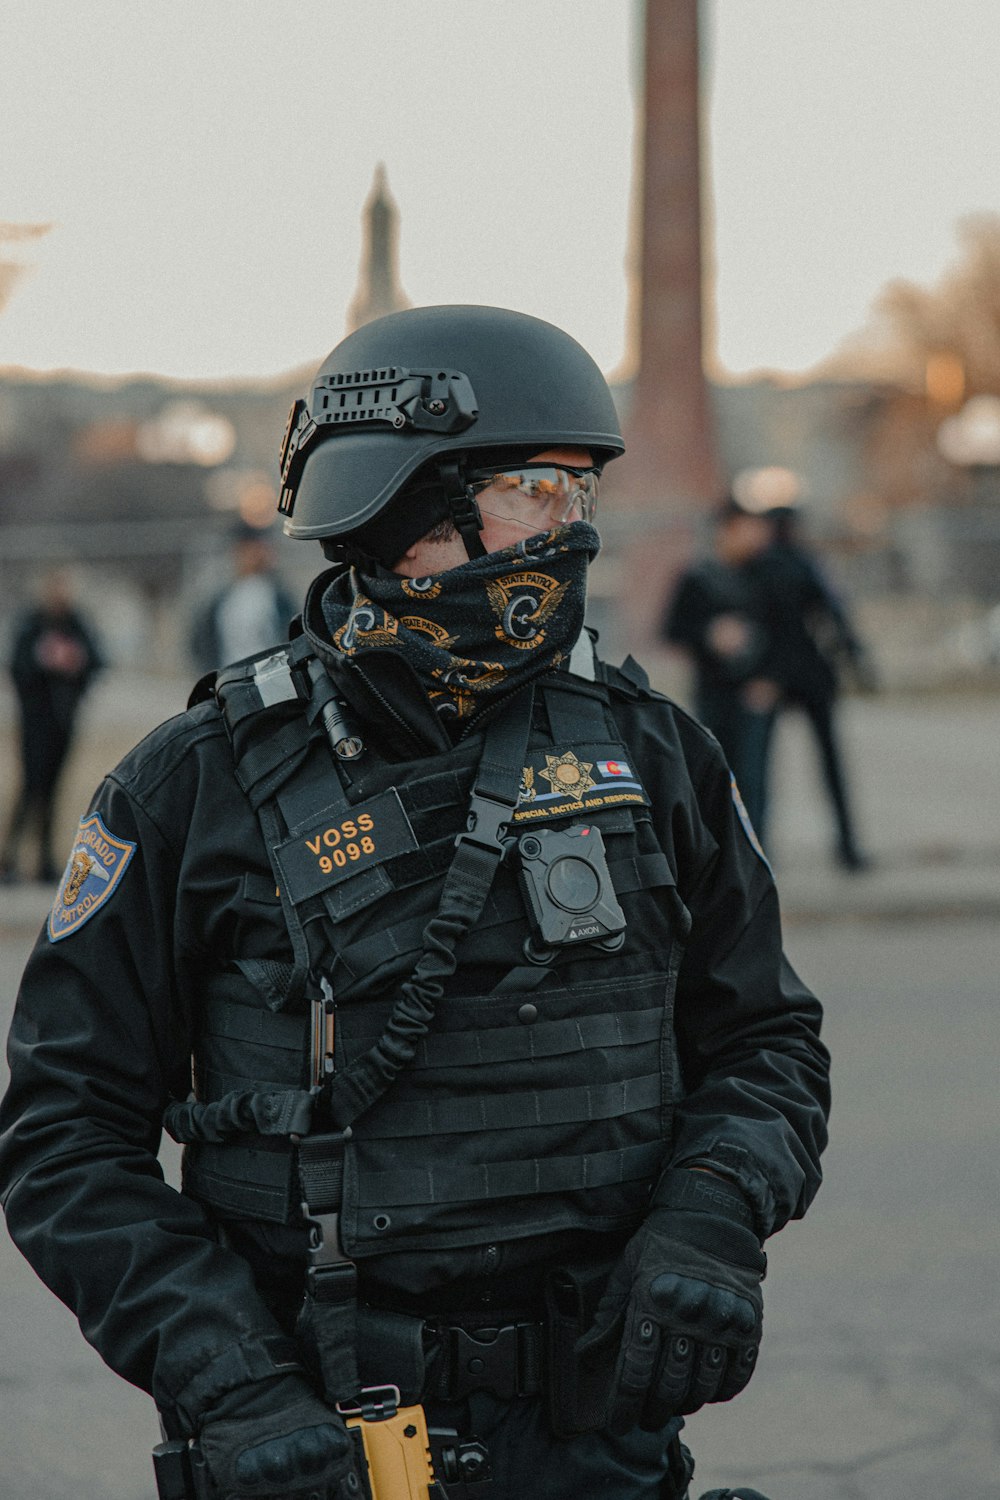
683,1305
741,1494
276,1440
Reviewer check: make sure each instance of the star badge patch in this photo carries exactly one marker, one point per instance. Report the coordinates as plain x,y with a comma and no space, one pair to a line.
565,773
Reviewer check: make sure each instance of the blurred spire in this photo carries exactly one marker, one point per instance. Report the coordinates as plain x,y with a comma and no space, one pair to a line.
379,290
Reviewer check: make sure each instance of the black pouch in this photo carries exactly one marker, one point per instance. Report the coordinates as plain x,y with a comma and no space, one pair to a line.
577,1392
391,1352
326,1334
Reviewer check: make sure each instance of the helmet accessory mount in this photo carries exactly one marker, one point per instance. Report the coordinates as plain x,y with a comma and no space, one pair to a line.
431,401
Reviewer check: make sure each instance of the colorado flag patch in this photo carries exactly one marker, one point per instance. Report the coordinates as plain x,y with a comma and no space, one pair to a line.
97,862
611,768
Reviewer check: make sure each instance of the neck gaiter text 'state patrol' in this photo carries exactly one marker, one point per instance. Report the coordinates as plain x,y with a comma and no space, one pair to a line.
477,630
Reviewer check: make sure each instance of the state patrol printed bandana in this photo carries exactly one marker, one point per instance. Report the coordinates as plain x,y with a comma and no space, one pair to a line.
486,627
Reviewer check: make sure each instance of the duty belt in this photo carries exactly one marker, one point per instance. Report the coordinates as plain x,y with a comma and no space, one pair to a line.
448,1355
507,1360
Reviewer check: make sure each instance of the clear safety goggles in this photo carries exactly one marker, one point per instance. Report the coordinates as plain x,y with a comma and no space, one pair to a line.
549,494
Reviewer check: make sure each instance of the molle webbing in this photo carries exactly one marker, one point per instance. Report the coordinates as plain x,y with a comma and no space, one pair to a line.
602,1101
549,1092
244,1181
248,1060
560,1106
636,873
224,1171
508,1179
450,1049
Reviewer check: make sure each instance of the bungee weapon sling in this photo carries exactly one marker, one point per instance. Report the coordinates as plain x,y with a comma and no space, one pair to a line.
327,1325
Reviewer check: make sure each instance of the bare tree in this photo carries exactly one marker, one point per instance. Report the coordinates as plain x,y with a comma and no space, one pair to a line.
957,320
11,271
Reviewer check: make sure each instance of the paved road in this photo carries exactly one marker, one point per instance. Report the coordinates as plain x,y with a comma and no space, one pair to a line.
880,1375
925,779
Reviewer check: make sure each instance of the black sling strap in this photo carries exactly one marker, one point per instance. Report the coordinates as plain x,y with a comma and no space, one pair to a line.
479,850
327,1324
266,770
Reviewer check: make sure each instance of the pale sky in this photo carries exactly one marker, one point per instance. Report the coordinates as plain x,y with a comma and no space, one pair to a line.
204,163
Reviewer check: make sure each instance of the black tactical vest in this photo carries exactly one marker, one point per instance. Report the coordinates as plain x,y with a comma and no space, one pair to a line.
542,1097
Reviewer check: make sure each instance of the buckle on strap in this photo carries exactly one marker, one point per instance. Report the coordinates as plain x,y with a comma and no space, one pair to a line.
331,1276
335,1283
506,1361
487,823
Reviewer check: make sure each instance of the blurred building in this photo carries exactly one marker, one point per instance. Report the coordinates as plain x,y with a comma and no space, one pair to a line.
137,481
141,479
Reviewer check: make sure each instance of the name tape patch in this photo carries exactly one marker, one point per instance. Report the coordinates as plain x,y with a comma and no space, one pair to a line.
335,848
96,864
553,785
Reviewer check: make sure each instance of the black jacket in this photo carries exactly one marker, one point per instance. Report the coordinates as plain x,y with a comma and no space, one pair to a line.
705,591
102,1035
808,631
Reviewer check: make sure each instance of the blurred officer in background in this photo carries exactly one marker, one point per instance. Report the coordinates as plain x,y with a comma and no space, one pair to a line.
810,636
716,618
249,612
501,1079
54,660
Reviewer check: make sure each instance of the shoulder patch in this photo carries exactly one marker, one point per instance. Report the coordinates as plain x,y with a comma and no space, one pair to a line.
744,818
96,864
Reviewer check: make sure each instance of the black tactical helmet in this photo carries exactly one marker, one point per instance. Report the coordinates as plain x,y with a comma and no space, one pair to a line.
401,406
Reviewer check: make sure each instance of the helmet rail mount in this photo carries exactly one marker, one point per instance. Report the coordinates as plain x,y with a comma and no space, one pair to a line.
425,400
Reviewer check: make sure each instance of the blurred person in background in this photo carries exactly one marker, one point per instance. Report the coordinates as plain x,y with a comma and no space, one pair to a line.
54,659
810,637
249,612
717,619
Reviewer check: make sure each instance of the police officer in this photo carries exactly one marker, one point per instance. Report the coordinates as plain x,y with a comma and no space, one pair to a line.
444,949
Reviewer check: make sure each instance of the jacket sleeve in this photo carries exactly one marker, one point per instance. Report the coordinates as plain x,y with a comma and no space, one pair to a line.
98,1041
755,1096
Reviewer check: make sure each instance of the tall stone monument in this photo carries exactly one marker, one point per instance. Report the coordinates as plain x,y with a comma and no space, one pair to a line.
669,474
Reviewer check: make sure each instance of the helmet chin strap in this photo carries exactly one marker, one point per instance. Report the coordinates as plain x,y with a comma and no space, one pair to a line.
463,508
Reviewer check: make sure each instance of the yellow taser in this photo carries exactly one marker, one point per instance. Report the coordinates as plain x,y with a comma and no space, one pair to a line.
395,1444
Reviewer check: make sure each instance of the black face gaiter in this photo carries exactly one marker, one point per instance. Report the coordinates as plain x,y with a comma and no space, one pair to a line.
478,630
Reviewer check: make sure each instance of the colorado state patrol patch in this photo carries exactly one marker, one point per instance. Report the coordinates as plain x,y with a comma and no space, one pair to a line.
744,818
97,862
